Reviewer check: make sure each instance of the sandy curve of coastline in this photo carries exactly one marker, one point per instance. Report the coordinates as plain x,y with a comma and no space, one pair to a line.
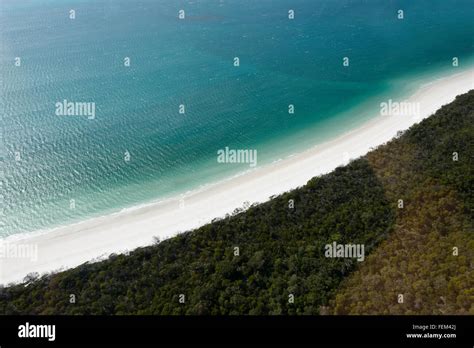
69,246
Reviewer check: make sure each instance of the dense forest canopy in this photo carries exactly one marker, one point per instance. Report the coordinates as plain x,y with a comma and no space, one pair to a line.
409,202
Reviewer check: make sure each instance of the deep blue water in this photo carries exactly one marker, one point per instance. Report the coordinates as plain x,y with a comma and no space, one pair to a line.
190,62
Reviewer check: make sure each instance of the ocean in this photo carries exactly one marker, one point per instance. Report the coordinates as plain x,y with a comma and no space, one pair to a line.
167,93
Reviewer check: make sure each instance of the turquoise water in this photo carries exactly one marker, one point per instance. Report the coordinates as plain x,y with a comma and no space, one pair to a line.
190,62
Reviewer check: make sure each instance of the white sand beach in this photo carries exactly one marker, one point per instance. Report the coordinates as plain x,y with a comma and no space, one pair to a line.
69,246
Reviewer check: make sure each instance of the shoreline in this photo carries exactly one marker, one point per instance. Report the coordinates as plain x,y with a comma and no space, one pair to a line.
95,239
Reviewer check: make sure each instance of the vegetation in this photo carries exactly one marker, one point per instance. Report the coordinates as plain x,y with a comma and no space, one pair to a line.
418,260
281,249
